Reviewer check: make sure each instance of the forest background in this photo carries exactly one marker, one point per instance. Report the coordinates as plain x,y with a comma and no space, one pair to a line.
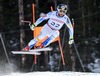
86,15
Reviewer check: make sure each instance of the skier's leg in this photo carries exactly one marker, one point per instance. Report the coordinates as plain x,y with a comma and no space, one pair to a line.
47,41
34,41
31,44
50,39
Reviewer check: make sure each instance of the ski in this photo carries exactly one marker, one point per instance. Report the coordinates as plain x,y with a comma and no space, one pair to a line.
33,51
26,52
42,49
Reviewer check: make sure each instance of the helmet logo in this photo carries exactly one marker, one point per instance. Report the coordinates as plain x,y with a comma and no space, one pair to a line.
62,7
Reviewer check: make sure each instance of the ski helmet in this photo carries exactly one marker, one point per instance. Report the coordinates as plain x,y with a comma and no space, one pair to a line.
62,8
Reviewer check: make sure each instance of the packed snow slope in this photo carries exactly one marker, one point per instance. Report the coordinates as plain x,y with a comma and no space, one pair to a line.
63,73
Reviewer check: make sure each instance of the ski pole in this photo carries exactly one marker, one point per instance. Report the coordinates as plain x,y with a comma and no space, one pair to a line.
76,49
79,57
29,22
24,56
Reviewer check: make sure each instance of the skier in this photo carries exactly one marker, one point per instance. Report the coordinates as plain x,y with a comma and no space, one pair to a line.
55,20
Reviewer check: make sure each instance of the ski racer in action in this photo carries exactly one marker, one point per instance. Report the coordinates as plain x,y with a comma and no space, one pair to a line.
56,19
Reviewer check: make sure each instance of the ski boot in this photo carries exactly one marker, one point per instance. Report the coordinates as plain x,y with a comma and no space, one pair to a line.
27,48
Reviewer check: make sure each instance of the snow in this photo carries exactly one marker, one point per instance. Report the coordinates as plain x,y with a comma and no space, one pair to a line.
95,67
48,73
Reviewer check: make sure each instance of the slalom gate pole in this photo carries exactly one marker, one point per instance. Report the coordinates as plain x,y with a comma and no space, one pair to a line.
77,50
62,47
62,55
5,52
35,56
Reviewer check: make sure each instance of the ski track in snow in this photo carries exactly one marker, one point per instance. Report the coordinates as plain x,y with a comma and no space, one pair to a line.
63,73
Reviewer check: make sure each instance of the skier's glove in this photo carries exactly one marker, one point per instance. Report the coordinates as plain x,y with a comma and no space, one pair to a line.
71,40
32,26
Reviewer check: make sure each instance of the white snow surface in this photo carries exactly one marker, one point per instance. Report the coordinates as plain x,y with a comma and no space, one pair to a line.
48,73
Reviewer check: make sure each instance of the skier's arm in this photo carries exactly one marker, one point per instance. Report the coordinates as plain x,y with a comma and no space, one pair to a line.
38,21
44,17
70,28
